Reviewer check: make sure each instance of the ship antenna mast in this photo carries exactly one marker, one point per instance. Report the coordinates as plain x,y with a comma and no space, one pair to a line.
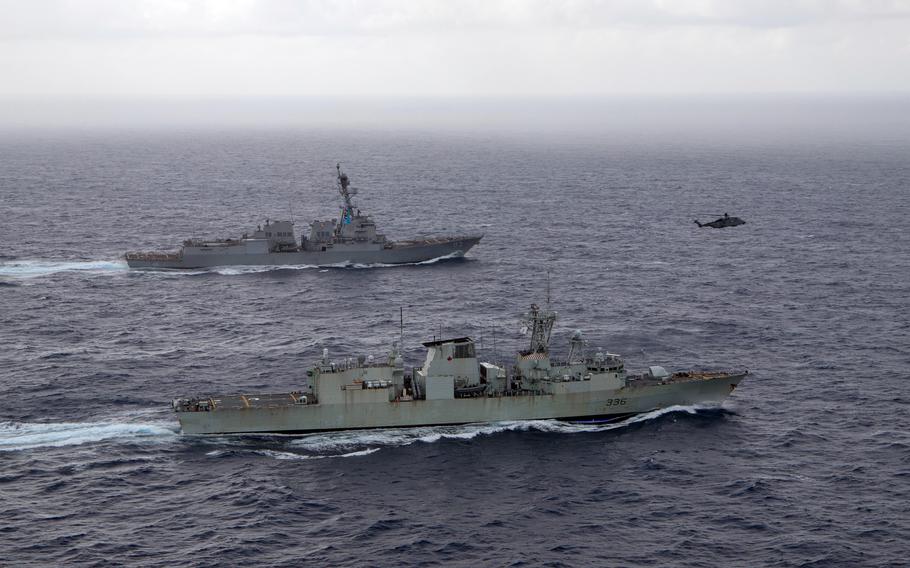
548,289
540,323
343,184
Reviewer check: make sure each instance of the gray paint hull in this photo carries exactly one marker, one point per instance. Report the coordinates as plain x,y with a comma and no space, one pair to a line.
398,254
580,406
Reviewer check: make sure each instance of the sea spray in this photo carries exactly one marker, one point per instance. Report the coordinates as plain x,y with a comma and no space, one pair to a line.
37,268
26,436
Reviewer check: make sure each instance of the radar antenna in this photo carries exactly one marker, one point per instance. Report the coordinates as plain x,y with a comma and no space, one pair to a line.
577,346
548,289
347,193
540,323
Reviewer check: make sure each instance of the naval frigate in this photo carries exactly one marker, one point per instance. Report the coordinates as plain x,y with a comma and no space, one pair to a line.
352,238
454,387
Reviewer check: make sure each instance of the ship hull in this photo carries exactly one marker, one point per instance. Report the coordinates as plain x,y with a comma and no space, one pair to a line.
223,256
581,407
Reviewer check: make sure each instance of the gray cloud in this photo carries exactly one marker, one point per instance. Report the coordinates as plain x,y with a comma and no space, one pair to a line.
54,19
451,47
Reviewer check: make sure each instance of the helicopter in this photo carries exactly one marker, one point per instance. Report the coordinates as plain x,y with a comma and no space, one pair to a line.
725,221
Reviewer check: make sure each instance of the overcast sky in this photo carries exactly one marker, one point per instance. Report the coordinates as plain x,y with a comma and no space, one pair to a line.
452,47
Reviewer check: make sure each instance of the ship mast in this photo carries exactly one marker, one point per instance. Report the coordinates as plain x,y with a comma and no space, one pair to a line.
347,193
540,323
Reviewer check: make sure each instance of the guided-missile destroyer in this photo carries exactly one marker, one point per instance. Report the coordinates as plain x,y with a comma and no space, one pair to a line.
454,387
352,238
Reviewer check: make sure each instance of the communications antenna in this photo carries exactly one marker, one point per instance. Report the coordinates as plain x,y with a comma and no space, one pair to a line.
548,289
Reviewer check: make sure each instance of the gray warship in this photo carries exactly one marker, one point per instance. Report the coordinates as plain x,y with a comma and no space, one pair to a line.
454,387
352,238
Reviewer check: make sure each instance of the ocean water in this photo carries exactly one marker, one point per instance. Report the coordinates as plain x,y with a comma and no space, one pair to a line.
807,464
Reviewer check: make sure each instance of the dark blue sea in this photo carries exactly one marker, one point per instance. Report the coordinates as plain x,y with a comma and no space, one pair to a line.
807,464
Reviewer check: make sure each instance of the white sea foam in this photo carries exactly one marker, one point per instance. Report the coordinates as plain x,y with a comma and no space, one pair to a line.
449,256
237,270
25,436
343,440
278,455
36,268
284,455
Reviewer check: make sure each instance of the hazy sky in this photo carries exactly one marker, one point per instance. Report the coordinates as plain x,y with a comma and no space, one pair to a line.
452,47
